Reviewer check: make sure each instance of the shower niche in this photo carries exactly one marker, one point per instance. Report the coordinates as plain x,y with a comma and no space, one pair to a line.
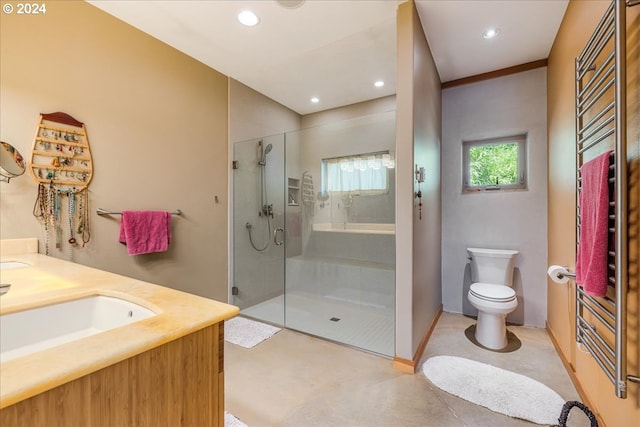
310,258
293,192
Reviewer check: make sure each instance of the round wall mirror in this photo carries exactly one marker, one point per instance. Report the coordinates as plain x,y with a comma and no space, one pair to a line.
11,162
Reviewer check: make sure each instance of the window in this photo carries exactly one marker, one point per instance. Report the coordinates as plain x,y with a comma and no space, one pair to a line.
361,174
495,164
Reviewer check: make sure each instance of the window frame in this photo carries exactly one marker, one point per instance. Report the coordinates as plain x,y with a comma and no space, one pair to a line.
520,140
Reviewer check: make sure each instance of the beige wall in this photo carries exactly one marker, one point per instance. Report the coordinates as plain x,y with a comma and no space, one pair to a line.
418,267
157,126
579,22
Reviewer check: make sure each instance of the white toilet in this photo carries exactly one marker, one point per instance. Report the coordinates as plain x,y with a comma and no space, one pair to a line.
491,293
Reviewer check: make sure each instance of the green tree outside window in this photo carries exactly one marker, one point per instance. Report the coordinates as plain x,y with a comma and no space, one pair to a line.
494,164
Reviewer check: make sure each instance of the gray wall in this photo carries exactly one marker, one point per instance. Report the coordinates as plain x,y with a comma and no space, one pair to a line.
259,275
511,220
418,278
365,134
253,115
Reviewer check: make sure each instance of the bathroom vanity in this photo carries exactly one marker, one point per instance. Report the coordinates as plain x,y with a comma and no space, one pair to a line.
163,368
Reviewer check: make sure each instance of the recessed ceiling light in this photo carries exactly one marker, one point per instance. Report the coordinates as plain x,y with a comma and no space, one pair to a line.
248,18
315,100
491,33
379,83
290,4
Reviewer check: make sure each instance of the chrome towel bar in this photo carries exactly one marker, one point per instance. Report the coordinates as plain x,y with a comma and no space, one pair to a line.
101,211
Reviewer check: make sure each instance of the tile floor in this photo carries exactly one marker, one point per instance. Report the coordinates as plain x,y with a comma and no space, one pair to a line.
297,380
359,324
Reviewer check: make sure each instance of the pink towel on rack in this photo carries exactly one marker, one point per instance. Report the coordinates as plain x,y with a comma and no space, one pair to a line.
145,232
591,263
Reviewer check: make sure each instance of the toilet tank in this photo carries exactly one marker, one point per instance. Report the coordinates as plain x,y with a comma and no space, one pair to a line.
492,265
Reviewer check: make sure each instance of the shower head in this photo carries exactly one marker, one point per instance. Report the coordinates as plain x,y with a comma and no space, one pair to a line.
263,153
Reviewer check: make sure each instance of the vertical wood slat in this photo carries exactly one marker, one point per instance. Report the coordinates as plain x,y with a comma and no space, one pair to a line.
220,384
177,384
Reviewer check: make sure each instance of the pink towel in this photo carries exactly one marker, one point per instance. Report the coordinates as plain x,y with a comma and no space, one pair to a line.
145,231
591,263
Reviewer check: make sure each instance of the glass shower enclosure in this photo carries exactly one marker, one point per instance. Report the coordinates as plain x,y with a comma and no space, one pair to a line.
314,231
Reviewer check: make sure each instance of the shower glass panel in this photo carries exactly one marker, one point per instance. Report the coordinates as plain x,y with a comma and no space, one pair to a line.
340,277
336,279
258,224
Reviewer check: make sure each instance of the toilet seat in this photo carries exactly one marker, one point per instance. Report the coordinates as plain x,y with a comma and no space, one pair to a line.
492,292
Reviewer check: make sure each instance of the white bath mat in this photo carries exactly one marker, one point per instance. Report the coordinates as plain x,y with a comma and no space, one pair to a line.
231,421
497,389
247,333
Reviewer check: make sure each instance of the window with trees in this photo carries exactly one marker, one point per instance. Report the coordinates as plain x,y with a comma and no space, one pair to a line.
495,164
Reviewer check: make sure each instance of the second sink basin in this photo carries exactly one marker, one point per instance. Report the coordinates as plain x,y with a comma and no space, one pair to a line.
10,265
28,331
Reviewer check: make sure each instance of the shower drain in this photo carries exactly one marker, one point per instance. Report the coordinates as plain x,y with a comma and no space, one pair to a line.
335,319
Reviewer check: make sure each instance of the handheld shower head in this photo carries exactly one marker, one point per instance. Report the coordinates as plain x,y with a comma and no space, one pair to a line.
263,153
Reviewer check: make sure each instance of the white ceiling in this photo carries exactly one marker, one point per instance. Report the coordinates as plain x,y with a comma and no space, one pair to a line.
337,49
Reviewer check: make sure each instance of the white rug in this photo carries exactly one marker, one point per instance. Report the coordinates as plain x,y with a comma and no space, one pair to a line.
231,421
497,389
247,333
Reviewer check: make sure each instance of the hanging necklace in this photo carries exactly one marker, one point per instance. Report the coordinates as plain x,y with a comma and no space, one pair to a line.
40,209
71,212
83,215
56,218
70,215
49,217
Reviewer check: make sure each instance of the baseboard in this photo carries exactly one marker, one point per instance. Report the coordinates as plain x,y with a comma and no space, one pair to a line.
404,365
409,366
572,374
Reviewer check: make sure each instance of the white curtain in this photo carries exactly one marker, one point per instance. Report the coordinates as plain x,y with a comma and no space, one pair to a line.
364,174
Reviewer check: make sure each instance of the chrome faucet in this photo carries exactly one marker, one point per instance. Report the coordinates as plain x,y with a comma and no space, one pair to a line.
4,288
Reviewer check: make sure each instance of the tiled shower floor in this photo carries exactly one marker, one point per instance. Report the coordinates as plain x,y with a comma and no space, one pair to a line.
342,316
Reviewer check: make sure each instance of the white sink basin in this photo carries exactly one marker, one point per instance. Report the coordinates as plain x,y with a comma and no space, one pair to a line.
10,265
28,331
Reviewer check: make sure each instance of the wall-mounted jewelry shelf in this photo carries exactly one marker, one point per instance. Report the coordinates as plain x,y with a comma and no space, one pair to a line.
62,167
61,156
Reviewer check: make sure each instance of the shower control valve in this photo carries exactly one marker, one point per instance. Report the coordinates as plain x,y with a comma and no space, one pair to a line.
267,210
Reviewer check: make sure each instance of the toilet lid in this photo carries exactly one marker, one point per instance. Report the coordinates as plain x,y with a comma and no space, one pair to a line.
492,292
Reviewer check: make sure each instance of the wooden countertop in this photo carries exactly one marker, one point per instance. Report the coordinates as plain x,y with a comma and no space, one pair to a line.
49,280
